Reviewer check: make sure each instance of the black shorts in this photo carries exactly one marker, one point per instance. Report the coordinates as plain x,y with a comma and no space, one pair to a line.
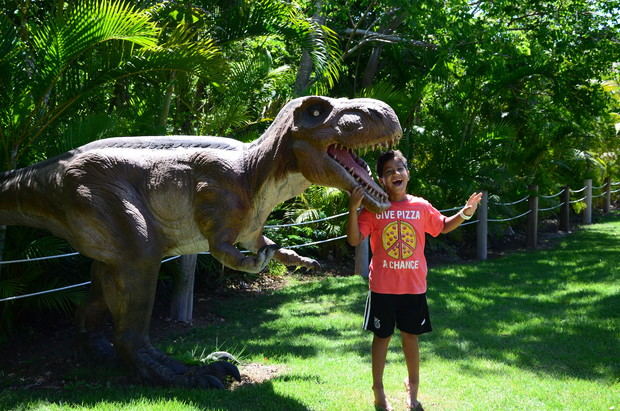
408,312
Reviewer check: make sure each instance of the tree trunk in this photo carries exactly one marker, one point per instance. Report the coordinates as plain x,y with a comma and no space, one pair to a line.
371,67
302,82
163,116
373,61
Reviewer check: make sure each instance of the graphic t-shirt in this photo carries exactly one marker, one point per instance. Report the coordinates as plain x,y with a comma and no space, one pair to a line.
398,265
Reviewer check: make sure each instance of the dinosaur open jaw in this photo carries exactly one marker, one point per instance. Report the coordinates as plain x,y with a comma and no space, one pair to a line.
359,171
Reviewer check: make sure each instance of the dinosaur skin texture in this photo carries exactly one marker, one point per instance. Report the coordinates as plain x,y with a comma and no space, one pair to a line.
128,202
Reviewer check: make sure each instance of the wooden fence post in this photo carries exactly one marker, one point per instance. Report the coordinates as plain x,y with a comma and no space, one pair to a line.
361,258
565,210
587,213
482,229
182,304
532,218
607,202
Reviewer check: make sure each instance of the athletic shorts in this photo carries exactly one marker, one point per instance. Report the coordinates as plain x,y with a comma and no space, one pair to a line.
408,312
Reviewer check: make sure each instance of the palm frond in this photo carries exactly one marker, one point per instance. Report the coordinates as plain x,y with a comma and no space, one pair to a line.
248,18
86,24
323,45
45,246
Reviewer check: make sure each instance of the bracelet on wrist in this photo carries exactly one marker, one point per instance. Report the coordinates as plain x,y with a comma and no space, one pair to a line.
465,216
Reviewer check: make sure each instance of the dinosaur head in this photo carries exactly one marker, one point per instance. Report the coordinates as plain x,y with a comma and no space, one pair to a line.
326,133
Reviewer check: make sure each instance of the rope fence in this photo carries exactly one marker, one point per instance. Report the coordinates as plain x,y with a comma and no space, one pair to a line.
532,212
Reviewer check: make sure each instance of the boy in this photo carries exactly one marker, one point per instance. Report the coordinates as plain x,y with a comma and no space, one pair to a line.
397,280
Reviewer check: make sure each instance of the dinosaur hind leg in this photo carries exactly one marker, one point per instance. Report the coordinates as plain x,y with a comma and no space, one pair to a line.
129,292
92,316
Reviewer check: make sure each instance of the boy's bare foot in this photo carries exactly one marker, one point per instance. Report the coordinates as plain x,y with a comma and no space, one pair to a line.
381,402
412,403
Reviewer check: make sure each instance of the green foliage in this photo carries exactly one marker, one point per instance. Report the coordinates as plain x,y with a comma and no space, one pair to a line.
490,95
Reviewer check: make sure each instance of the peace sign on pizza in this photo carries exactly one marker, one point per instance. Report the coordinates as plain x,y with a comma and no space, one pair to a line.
399,240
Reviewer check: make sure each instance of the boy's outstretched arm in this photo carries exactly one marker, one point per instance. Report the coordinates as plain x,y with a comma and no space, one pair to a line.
468,210
354,237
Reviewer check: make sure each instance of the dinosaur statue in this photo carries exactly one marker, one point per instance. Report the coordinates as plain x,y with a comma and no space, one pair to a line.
127,202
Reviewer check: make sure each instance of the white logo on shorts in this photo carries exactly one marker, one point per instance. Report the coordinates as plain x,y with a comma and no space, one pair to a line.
377,323
423,322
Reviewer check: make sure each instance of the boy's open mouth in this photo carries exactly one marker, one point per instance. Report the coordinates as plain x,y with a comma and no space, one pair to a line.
397,183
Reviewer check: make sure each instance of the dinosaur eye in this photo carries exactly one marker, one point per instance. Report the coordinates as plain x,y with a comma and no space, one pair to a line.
313,112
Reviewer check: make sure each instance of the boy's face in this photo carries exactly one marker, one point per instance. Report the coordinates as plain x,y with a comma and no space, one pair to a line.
395,178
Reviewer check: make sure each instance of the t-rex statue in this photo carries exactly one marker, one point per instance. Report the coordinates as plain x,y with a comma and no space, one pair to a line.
127,202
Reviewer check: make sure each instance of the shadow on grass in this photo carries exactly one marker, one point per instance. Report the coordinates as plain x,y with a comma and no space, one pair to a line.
254,397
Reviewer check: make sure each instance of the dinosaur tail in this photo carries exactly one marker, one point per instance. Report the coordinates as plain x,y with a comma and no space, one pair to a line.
11,181
26,196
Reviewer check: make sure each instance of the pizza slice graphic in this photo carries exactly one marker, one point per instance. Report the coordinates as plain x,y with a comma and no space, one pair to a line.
399,240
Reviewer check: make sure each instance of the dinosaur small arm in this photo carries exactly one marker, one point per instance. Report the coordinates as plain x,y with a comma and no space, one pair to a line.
127,202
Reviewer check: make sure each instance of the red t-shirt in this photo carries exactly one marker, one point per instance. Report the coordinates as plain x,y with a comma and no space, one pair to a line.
398,265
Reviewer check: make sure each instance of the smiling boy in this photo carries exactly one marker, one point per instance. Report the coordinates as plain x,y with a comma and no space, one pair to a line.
397,280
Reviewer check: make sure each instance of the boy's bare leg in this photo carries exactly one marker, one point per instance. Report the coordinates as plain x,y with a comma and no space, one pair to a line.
379,354
412,358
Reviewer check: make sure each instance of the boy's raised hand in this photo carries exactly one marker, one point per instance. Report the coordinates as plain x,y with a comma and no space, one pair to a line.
355,201
472,203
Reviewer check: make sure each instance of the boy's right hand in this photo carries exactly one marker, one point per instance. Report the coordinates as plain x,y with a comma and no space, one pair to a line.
355,201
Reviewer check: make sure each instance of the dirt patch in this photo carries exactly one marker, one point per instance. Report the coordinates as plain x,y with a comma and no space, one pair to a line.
255,373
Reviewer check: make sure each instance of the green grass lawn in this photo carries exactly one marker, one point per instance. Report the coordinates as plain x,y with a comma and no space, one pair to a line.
533,330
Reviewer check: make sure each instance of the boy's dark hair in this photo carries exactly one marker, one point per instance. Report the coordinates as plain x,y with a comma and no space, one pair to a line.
387,156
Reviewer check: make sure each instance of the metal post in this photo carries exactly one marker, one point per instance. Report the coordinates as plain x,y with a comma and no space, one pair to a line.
532,218
482,228
607,203
587,213
362,260
182,304
565,210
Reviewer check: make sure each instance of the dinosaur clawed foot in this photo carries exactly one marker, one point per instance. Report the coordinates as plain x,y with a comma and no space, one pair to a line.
264,255
154,365
310,264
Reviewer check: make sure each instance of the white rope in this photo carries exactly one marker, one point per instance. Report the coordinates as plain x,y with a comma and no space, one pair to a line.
17,297
451,209
27,260
513,202
599,187
577,201
307,222
599,195
578,191
615,191
615,184
552,208
553,195
500,220
470,222
318,242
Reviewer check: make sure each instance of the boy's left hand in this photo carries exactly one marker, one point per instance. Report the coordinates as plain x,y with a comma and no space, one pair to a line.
472,204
